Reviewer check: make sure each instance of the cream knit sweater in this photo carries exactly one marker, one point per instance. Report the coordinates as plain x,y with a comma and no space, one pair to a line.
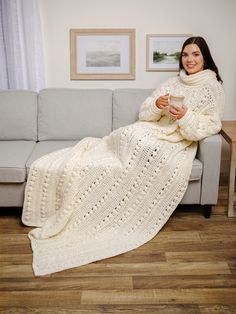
107,196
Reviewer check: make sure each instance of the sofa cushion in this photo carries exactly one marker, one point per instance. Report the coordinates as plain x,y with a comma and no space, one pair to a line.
126,104
13,157
72,114
46,147
196,172
18,115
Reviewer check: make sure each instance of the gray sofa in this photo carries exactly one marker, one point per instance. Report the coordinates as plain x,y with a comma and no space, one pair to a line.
33,124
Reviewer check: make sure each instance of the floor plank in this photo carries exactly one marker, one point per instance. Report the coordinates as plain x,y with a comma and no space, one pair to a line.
161,296
111,309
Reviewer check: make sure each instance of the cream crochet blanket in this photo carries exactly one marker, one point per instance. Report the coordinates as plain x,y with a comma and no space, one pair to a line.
107,196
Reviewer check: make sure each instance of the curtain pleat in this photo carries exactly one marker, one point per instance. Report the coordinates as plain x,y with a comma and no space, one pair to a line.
21,45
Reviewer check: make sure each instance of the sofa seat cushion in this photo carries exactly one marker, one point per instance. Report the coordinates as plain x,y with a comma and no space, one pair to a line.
46,147
13,157
196,172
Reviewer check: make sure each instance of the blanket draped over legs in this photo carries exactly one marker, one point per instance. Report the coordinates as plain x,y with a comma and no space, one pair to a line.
103,197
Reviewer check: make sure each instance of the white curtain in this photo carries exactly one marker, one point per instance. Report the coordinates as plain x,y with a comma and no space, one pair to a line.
21,52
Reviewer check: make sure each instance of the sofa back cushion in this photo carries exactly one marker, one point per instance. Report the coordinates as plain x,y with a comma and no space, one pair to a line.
72,114
18,115
126,104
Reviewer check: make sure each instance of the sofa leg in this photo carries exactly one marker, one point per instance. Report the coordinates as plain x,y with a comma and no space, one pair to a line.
207,211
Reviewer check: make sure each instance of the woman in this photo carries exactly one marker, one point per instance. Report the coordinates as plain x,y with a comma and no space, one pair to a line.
107,196
198,78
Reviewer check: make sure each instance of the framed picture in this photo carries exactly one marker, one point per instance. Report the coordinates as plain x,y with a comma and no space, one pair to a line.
163,51
102,54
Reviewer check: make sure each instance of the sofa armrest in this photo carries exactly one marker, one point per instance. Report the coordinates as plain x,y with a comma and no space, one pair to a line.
209,153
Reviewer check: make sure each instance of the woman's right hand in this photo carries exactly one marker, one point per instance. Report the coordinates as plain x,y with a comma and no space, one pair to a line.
162,102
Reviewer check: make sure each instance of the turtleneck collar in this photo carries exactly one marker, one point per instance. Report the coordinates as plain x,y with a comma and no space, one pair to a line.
198,78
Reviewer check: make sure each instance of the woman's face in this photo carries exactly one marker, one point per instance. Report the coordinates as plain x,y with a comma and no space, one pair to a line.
192,59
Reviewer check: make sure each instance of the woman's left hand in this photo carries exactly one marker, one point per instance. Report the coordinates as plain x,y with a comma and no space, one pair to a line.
177,111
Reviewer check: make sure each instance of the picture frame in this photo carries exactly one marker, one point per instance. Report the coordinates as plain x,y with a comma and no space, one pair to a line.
163,51
102,54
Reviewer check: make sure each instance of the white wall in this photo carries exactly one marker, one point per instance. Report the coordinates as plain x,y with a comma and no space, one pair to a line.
215,20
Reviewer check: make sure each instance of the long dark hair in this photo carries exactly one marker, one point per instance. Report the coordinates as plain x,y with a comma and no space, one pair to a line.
208,60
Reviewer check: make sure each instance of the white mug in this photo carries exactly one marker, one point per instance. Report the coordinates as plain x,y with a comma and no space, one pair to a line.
176,101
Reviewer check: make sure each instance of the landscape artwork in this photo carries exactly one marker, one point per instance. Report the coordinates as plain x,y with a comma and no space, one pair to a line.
102,54
163,52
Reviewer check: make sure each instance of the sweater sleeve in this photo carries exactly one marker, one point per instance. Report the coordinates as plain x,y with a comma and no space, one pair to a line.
148,110
198,124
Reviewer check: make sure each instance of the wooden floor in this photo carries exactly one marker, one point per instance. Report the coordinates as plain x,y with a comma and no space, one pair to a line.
189,267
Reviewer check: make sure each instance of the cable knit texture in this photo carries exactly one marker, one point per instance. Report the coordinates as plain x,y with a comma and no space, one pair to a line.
104,197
